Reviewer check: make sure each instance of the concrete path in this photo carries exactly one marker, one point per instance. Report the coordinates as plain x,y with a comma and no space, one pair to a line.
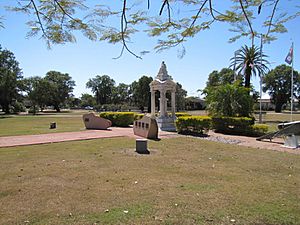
72,136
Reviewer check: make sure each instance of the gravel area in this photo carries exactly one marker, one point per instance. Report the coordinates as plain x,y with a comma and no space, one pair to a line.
276,144
221,139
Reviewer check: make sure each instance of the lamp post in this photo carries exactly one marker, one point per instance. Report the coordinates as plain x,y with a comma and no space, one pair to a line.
235,64
260,82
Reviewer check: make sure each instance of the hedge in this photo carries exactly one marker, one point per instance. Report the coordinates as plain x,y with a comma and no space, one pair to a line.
238,125
138,116
258,130
193,124
119,119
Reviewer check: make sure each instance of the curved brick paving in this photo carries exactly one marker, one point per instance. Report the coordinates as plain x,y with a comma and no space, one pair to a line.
128,132
72,136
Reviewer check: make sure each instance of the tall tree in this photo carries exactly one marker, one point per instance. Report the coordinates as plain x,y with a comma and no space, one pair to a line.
174,22
36,92
87,100
225,76
10,75
141,92
74,102
121,94
60,87
180,96
278,84
102,87
250,61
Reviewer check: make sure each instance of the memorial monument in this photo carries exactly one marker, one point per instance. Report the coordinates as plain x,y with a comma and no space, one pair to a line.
91,121
163,83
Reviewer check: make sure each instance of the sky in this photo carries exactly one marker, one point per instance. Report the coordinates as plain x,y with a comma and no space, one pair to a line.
85,59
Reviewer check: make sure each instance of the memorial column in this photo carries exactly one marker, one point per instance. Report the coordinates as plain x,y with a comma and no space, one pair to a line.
152,103
173,96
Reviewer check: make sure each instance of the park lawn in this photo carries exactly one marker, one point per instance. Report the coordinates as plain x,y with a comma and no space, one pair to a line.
281,117
23,125
273,119
72,121
183,181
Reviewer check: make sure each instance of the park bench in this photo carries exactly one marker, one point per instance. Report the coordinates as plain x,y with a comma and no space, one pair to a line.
91,121
290,131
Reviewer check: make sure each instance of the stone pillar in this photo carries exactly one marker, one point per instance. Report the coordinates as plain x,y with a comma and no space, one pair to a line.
152,104
162,103
173,103
166,107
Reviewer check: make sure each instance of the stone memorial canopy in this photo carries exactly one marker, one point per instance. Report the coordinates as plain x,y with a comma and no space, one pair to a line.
163,83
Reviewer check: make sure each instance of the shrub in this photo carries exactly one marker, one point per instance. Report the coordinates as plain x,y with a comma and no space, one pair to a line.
119,119
17,107
180,114
112,107
258,130
138,116
232,125
193,124
230,100
33,109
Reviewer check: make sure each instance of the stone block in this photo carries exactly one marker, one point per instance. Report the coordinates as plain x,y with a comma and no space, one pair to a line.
141,146
52,125
291,141
91,121
146,127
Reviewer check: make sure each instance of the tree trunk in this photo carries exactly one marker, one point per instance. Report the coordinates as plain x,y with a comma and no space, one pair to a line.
5,108
247,76
278,107
56,107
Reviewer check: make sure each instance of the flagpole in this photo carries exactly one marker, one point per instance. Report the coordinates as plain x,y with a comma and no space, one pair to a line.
292,83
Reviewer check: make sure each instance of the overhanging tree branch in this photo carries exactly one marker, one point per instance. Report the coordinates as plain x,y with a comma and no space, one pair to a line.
272,16
124,24
56,20
166,2
248,21
212,10
38,17
64,11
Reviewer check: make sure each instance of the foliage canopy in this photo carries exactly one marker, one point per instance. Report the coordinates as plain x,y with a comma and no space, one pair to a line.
278,84
250,61
172,22
10,76
230,100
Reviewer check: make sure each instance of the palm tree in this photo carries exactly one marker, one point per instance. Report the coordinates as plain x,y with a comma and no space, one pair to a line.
248,61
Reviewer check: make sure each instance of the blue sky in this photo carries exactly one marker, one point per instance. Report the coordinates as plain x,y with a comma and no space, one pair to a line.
85,59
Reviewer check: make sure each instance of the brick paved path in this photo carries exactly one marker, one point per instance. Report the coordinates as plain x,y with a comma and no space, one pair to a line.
128,132
72,136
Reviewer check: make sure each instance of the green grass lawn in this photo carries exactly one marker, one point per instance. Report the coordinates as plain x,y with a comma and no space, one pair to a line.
272,119
22,125
72,121
183,181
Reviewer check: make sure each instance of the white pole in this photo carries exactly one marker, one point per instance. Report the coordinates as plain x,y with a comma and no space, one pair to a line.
234,65
292,82
260,83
